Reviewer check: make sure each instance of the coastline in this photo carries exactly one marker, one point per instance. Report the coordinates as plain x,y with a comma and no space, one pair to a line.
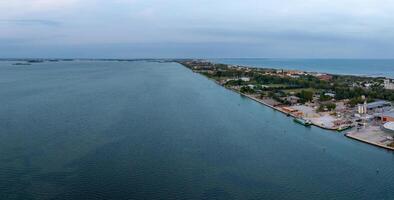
268,105
280,110
289,114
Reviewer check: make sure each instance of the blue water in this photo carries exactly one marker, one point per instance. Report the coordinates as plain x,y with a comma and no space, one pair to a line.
141,130
364,67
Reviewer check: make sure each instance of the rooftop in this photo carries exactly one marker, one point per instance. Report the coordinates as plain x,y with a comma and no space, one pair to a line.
378,104
389,114
389,126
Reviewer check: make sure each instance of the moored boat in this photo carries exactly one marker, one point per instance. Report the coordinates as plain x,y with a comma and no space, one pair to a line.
303,121
343,128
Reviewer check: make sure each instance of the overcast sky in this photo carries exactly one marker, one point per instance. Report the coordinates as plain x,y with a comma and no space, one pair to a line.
197,28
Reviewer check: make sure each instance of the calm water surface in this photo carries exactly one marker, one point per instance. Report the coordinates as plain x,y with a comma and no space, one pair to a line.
364,67
142,130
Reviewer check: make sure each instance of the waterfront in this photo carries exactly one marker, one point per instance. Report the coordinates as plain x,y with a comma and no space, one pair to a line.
311,98
143,130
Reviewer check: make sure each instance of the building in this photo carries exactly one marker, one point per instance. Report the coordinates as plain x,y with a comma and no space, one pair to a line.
388,84
389,127
251,86
324,77
246,79
378,105
367,85
362,108
292,99
293,76
289,110
388,116
332,95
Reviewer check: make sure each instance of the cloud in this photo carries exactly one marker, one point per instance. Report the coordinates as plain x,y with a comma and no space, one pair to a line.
30,22
313,24
37,4
23,8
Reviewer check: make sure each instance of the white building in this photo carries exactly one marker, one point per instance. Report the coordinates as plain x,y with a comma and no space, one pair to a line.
389,127
329,94
388,84
362,108
246,79
251,86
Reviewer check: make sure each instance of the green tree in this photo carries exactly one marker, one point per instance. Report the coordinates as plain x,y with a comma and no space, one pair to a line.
356,100
324,97
306,95
327,106
246,89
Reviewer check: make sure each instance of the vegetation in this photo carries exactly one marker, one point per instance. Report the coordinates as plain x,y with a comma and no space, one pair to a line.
247,90
326,107
237,82
344,87
324,97
305,96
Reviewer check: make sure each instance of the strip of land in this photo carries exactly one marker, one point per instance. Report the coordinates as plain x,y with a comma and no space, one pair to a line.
361,105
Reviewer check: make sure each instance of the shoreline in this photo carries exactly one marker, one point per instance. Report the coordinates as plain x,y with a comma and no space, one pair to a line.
289,114
282,111
314,124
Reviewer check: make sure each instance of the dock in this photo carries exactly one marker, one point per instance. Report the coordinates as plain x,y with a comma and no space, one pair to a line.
371,135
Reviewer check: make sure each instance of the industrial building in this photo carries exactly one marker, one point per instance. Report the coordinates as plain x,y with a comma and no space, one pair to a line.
362,108
378,104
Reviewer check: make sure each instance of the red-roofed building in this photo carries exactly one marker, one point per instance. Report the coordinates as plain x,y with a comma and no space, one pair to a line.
325,77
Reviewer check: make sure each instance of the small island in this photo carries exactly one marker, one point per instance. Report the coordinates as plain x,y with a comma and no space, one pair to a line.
360,105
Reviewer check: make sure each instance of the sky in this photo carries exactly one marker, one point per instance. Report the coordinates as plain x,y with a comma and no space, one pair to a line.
197,28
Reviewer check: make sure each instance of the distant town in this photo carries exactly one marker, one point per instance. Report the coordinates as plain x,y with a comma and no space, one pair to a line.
361,107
